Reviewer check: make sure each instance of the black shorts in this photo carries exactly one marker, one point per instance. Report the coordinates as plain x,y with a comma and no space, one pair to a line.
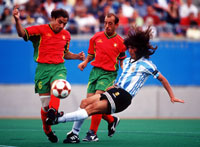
118,98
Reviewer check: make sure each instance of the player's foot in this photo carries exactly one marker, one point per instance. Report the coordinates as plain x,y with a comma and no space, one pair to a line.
71,138
52,137
91,137
52,116
112,126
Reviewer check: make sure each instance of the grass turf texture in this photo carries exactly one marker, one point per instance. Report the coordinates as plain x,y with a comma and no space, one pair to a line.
130,132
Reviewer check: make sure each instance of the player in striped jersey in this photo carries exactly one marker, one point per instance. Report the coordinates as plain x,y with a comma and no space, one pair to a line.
136,70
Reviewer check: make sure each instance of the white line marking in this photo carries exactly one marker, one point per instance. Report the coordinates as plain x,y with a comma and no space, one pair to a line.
6,146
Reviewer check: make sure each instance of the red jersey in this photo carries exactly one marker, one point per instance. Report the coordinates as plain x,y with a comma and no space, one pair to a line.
107,50
49,47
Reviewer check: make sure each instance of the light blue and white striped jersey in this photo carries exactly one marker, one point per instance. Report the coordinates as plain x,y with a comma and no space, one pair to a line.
135,73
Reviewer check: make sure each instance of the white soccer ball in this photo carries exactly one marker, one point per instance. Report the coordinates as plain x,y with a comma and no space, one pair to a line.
61,88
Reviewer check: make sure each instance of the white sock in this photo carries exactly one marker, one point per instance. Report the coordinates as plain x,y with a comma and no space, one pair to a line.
77,126
74,116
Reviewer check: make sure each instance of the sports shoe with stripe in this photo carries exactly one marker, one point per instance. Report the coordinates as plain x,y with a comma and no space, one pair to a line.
71,138
91,137
112,126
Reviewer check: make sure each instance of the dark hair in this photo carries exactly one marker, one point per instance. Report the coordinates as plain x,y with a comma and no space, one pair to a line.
139,39
59,13
112,14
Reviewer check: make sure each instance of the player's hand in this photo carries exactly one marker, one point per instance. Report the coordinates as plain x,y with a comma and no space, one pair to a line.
82,65
177,100
16,13
81,56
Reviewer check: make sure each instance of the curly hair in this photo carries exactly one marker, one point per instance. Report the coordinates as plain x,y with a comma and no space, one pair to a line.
59,13
139,39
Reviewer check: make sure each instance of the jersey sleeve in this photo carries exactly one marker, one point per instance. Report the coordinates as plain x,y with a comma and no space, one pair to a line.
91,49
156,74
122,55
151,69
67,43
32,31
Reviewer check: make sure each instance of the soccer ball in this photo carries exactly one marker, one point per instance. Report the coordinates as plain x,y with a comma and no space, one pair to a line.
61,88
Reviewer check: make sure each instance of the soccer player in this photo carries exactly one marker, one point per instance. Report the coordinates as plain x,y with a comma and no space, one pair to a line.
136,69
51,47
106,49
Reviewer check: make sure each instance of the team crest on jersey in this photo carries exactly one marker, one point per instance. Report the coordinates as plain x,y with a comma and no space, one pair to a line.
115,45
48,34
100,41
116,94
63,37
132,69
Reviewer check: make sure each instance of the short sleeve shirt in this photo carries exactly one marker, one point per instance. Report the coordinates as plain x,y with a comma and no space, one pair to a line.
107,51
49,47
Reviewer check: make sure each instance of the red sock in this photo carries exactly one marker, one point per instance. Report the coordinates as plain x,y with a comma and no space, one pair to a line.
54,102
95,121
109,118
46,128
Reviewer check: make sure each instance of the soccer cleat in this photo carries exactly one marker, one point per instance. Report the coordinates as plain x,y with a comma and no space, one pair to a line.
52,137
112,126
52,116
91,137
71,138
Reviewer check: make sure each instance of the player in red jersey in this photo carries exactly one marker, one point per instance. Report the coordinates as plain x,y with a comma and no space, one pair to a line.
105,49
51,47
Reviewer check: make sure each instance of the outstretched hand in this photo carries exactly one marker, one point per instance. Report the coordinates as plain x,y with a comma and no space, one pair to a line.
177,100
16,13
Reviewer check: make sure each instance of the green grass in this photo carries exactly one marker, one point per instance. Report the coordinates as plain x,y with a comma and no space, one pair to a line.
134,133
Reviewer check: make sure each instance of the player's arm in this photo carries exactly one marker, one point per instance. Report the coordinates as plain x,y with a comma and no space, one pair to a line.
83,64
79,56
121,58
168,88
20,30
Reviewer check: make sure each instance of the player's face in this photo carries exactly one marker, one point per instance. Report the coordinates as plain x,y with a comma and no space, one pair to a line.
132,52
59,23
109,25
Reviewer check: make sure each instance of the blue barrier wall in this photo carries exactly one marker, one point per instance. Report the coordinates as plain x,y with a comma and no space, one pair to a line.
179,62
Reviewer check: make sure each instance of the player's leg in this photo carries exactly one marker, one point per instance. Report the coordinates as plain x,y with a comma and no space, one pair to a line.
113,121
91,135
105,80
92,105
58,72
43,77
73,135
45,98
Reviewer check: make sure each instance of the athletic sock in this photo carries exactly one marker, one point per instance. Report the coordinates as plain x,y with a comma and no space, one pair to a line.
77,126
74,116
54,102
46,128
109,118
95,121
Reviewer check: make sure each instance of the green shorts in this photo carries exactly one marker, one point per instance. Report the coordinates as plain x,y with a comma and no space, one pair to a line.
100,79
46,73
